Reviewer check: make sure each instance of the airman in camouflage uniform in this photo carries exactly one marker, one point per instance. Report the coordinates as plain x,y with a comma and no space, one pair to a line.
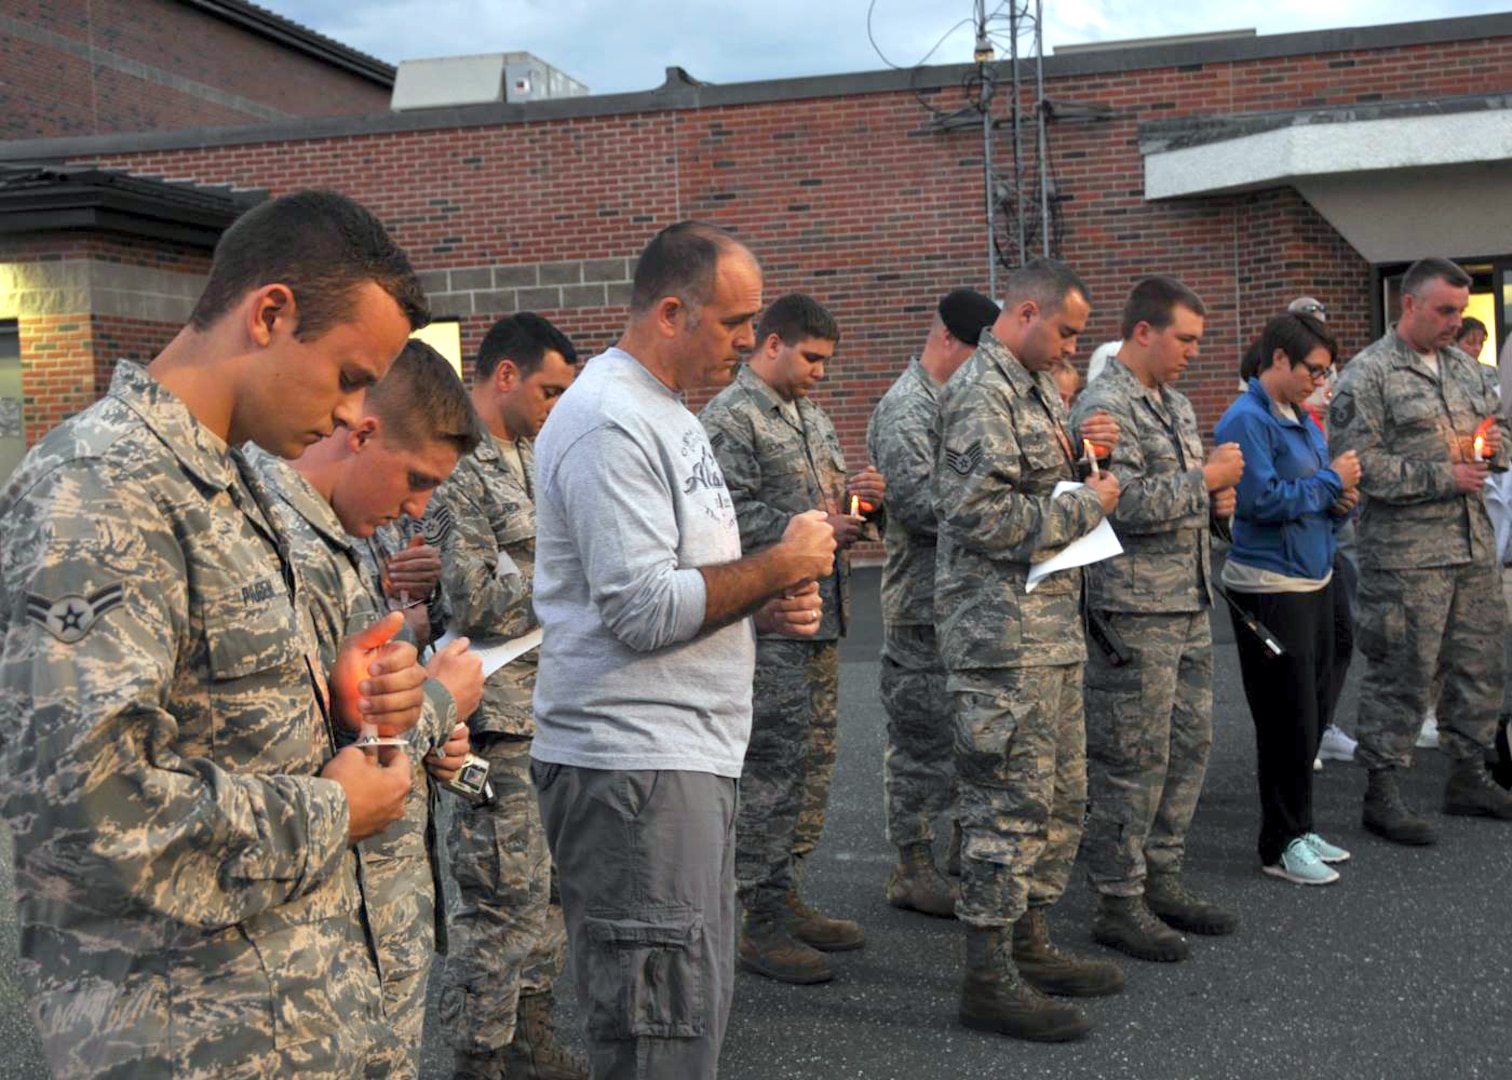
179,861
780,457
187,891
1429,592
398,872
1015,657
1150,718
509,939
918,770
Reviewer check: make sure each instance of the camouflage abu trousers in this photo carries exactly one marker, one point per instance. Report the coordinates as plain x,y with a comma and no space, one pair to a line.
918,770
1149,730
402,910
785,782
1415,624
505,935
1021,787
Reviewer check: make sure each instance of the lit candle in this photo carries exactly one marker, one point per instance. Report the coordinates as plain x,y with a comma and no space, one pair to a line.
1480,448
855,510
1091,457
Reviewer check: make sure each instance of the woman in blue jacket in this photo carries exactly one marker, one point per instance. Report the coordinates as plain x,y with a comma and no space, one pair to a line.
1280,570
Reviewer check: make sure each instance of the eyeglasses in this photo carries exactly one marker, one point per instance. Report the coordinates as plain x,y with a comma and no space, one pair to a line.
1325,372
1311,309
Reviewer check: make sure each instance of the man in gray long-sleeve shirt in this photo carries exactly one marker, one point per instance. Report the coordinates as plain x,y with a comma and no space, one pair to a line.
643,695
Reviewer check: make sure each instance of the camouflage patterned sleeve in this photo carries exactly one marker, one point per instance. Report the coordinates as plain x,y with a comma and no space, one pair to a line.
486,594
438,715
1356,419
94,779
976,488
902,447
1491,394
733,441
1147,504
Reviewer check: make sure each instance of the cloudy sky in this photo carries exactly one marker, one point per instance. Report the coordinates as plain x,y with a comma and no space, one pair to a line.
615,45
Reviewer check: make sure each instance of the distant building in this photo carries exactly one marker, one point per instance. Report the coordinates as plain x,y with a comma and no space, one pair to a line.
76,67
1257,169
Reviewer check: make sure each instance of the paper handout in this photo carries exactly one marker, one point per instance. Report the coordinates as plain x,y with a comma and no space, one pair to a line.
1099,544
496,656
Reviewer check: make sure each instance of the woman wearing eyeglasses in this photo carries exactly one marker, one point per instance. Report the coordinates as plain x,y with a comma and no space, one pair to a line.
1280,569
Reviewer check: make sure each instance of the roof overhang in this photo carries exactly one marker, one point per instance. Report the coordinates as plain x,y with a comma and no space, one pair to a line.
36,200
1396,181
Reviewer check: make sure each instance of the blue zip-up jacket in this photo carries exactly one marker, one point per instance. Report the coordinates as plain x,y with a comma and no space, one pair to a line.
1282,523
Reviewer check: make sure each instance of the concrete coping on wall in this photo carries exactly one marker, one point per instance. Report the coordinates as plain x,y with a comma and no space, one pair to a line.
682,92
1328,143
1177,133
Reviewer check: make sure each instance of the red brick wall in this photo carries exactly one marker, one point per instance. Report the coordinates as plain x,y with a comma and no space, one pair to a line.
48,91
57,370
117,338
856,200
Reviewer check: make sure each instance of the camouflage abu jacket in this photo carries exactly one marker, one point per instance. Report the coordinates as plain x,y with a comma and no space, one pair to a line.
903,440
187,895
1003,448
1162,514
483,521
776,469
1403,422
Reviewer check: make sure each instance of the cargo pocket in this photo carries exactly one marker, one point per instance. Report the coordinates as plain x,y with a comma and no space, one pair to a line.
645,974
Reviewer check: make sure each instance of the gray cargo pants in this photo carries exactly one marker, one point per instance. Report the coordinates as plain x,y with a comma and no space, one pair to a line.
646,863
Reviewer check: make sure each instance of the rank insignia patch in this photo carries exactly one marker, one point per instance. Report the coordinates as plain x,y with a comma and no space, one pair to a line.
69,618
964,461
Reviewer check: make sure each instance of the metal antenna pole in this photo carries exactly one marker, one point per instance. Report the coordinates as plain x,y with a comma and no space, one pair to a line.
987,183
1018,134
1039,110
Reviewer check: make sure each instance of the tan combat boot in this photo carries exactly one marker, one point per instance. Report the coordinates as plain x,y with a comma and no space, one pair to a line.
1386,813
915,884
768,947
535,1053
1051,971
814,928
1169,898
1473,792
994,997
1126,923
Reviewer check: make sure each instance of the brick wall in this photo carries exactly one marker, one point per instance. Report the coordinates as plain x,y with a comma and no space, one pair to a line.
83,67
857,200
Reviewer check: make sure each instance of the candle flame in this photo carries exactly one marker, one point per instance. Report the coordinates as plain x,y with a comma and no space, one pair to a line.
855,509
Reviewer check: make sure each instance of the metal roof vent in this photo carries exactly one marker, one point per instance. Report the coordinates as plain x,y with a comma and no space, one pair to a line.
515,77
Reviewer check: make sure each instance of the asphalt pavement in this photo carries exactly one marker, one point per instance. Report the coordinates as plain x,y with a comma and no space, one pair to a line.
1399,971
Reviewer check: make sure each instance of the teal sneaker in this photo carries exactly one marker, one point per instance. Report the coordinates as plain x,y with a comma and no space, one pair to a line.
1329,853
1300,865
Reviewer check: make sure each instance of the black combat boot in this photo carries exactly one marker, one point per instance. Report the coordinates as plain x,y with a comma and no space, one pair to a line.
915,884
768,947
1051,971
535,1053
1387,815
994,997
1126,923
1168,897
1472,792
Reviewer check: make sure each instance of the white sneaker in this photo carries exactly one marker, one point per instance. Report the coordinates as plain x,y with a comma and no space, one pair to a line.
1428,737
1336,745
